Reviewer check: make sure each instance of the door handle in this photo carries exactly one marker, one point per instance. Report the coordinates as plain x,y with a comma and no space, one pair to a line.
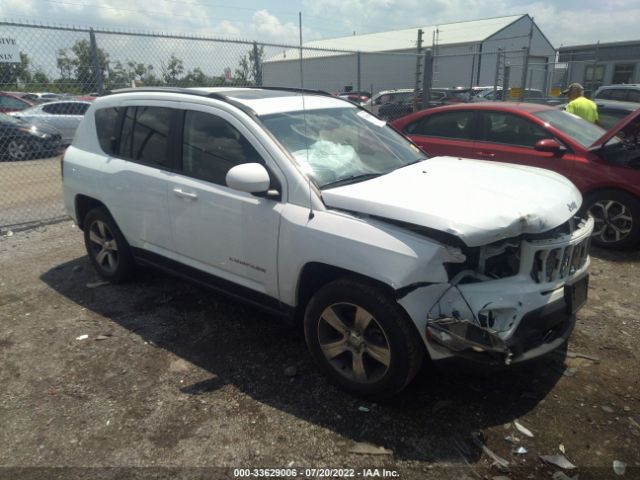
486,154
182,194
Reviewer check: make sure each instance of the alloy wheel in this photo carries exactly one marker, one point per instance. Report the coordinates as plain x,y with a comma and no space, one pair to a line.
103,246
17,150
613,221
354,343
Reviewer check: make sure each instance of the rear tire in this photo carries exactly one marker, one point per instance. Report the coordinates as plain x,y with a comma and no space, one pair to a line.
361,339
107,248
617,219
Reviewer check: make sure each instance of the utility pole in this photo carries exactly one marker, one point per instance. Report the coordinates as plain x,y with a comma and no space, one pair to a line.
427,79
416,90
525,66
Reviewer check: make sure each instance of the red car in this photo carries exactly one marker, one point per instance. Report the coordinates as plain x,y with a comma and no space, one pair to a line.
604,165
10,102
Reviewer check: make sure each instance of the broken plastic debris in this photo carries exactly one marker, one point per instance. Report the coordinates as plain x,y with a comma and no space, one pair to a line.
364,448
521,450
82,337
290,371
522,429
9,233
558,460
511,439
606,408
363,409
97,284
500,462
561,448
619,467
102,337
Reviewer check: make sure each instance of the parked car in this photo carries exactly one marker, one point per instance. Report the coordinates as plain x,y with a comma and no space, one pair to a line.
611,112
20,140
398,96
438,97
64,116
623,93
10,102
40,97
359,98
605,168
313,208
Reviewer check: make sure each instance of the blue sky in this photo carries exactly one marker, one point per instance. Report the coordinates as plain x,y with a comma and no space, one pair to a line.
565,23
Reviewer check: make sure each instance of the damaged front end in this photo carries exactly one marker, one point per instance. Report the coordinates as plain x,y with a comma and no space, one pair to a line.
511,300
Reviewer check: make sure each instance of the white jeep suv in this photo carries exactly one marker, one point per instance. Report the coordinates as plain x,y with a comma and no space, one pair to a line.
311,207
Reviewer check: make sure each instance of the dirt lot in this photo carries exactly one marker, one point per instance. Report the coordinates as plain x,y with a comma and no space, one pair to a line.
192,385
30,191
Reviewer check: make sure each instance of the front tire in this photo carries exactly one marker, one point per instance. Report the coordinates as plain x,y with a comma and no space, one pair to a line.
107,248
617,219
361,339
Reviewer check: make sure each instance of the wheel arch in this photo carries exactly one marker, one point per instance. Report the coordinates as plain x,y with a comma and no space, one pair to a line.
315,275
83,205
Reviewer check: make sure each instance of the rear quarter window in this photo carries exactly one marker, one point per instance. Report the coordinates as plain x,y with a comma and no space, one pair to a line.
106,129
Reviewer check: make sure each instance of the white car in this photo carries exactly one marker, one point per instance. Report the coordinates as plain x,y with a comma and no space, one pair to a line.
63,115
311,207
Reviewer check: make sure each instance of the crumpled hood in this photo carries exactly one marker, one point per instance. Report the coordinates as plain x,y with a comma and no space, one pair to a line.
478,201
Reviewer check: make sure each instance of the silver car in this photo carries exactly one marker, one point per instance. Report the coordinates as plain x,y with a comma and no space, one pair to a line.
64,116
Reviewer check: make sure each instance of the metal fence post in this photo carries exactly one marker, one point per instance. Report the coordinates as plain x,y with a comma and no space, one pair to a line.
497,77
525,70
427,77
505,87
97,68
358,57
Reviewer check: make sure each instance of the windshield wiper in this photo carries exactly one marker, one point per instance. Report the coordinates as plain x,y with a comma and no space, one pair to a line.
417,160
352,179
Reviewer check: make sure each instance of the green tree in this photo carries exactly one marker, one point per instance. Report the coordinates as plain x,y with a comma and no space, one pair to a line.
249,71
172,71
77,67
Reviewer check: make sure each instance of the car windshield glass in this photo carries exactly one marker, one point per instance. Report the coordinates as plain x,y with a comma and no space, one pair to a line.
341,145
583,132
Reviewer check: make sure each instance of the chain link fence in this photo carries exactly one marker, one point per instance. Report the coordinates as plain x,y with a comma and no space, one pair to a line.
55,72
50,74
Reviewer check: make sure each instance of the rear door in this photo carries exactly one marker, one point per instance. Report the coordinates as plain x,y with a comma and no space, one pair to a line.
510,138
445,133
134,178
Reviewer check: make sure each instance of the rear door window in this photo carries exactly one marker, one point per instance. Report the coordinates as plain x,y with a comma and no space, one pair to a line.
445,125
634,96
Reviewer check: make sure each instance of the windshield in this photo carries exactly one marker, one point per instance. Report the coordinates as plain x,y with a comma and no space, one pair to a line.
583,132
341,145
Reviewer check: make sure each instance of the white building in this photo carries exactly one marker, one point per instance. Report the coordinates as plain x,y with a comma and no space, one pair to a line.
465,54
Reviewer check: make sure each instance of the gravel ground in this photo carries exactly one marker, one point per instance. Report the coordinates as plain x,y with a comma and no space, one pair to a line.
173,381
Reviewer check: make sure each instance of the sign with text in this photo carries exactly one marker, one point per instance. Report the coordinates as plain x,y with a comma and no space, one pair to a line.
9,51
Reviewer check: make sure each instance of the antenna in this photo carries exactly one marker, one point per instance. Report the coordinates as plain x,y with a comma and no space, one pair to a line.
304,118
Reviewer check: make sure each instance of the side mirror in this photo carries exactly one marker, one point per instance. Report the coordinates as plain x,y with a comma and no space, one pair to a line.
549,145
248,177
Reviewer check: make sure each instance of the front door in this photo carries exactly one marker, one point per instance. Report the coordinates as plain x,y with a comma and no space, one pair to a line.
230,234
509,138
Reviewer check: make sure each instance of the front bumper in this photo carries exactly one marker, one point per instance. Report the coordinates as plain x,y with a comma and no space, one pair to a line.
512,319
